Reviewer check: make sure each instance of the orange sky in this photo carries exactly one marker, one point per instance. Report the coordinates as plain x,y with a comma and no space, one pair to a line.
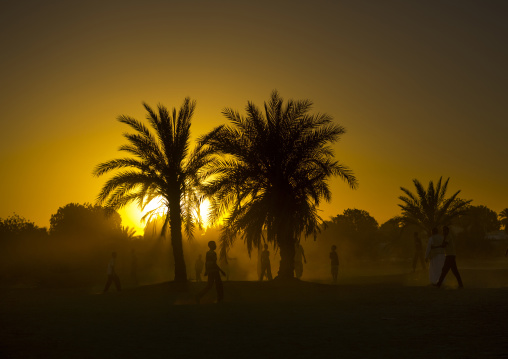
421,88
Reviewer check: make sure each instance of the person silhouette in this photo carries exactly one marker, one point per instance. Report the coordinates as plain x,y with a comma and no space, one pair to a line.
450,254
418,253
334,259
436,254
266,268
299,254
213,271
112,276
198,266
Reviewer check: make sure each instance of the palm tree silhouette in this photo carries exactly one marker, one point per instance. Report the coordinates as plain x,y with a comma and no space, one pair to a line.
503,217
269,171
429,208
160,167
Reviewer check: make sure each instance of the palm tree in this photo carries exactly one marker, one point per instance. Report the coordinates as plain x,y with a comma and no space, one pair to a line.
160,168
429,208
268,173
503,217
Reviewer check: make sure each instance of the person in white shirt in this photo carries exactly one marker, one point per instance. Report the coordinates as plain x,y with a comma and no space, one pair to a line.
449,263
112,276
436,255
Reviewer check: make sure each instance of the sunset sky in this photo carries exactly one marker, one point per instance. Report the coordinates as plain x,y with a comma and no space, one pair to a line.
420,86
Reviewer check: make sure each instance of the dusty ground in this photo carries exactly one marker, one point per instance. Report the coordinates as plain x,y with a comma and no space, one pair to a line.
368,316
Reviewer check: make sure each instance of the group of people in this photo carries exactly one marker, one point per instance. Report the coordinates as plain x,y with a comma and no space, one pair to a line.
440,254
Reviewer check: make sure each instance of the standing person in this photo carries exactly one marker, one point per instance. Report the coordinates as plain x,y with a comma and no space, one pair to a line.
435,253
112,276
418,252
213,271
198,266
450,254
265,264
298,260
334,259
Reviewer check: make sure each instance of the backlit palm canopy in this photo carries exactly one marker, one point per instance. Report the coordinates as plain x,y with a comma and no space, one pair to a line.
159,166
429,208
503,217
269,171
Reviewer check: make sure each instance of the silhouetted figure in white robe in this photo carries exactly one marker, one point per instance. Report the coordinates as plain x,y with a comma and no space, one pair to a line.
112,276
418,253
436,255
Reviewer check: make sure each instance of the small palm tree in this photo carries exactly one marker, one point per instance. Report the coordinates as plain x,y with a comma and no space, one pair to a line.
503,217
268,173
160,168
128,232
429,208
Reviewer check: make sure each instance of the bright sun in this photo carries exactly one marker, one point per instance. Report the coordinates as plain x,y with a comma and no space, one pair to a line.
131,214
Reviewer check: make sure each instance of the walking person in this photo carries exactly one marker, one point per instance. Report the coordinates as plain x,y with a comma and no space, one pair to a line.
436,255
418,253
213,271
450,254
266,268
112,276
334,259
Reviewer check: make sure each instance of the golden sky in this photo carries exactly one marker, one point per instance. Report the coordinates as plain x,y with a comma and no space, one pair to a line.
421,87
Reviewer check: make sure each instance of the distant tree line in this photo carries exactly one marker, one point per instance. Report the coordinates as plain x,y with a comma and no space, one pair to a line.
359,236
72,252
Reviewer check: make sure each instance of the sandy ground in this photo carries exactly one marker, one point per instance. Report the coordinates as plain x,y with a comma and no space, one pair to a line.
368,316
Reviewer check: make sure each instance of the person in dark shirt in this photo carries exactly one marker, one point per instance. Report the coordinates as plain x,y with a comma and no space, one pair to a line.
213,271
334,259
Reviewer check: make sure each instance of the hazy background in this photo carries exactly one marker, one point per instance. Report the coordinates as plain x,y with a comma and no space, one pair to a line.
421,88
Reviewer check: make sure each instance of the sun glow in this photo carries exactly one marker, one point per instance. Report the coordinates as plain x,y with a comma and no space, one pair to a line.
132,215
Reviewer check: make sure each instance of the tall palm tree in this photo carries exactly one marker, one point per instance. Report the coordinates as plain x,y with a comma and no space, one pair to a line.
503,217
269,171
160,168
429,208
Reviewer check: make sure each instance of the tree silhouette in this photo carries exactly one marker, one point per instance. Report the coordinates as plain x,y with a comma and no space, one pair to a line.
85,220
269,171
503,217
160,168
480,217
429,208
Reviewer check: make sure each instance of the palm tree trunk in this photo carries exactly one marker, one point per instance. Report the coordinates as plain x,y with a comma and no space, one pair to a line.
176,241
287,260
287,252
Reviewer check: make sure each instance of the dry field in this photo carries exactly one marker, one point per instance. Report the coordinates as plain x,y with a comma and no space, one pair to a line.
363,316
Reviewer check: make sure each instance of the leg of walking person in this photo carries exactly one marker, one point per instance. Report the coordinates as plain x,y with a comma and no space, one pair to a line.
219,287
455,272
116,279
209,284
444,271
108,283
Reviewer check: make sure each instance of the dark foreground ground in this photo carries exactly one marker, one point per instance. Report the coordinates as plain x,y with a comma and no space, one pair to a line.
392,316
